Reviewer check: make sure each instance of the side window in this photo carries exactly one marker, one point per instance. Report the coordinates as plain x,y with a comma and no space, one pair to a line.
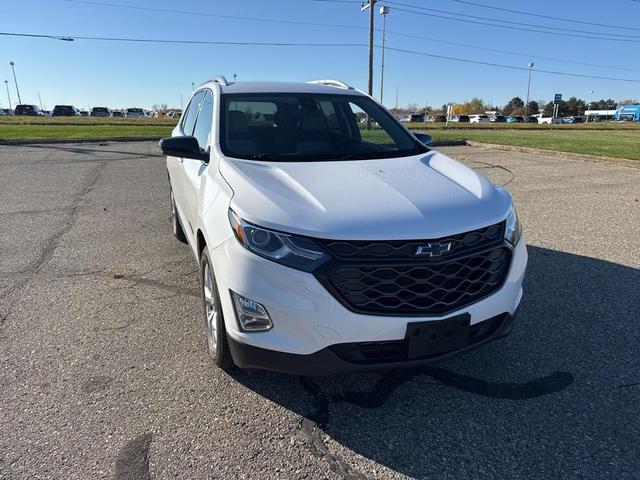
203,125
189,119
376,134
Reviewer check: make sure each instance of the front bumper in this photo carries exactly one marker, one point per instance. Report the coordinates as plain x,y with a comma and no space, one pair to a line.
308,320
345,358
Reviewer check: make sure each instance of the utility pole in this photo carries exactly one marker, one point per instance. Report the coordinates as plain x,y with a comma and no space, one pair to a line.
16,82
526,105
370,6
6,84
40,100
384,11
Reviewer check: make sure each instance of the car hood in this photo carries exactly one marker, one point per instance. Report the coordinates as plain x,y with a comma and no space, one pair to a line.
424,196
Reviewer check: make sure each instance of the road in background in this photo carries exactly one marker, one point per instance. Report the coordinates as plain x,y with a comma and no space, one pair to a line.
104,371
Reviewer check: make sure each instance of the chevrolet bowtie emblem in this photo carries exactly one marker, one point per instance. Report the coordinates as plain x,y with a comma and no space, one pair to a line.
433,249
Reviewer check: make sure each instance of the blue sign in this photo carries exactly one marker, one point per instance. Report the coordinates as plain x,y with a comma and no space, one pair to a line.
557,98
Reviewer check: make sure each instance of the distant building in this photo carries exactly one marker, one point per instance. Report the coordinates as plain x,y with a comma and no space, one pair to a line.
630,113
599,115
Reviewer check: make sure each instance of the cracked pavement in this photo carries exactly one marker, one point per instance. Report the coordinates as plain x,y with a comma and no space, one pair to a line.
104,371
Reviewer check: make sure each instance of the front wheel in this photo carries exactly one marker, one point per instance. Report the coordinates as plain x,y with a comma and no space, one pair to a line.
213,317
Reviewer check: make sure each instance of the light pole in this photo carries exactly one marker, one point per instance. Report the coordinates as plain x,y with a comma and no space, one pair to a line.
384,11
6,84
16,82
526,105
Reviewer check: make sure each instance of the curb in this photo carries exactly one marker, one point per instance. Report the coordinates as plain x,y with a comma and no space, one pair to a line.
553,153
449,143
78,140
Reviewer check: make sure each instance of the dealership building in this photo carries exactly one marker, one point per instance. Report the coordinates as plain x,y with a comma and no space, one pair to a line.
630,113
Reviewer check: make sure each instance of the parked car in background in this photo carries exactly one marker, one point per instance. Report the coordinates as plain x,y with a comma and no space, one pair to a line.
416,117
100,112
498,119
134,113
440,118
549,119
29,110
117,114
516,119
65,111
298,274
46,113
531,119
478,118
5,112
463,118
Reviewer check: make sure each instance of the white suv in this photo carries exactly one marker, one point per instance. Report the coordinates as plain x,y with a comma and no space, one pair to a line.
330,238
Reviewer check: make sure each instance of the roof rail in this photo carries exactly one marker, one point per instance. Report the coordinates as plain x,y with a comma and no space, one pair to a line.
219,79
332,83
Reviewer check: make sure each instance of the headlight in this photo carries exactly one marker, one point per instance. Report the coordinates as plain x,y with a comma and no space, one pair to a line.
290,250
512,230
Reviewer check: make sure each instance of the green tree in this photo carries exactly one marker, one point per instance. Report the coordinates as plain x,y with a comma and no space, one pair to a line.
575,106
533,108
514,103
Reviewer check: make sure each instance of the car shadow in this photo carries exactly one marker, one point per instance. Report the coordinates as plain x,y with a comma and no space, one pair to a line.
538,403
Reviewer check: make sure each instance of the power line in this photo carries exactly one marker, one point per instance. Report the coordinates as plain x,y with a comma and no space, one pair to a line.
291,44
531,14
511,22
515,28
510,52
356,27
512,67
214,15
197,42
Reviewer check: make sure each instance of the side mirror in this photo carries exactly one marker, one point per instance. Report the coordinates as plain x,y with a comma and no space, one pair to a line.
424,138
183,147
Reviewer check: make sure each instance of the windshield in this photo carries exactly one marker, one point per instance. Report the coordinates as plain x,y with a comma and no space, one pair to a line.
310,127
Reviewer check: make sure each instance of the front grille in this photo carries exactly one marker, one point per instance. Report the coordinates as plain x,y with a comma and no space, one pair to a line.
406,249
425,289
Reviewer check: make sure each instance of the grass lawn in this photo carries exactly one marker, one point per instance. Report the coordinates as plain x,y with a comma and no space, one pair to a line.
622,143
67,132
69,128
609,139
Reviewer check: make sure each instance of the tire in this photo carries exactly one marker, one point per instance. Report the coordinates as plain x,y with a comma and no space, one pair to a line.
217,343
178,232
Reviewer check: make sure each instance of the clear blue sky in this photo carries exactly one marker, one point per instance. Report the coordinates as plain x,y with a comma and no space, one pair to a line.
87,73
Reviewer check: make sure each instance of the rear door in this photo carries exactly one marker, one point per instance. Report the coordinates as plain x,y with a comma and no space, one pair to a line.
175,165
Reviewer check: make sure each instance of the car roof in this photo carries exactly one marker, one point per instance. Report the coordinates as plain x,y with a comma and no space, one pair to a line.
284,87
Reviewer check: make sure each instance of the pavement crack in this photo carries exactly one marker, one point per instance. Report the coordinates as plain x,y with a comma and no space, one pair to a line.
312,426
158,284
626,385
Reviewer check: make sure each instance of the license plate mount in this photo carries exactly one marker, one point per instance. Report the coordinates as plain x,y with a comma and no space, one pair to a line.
433,338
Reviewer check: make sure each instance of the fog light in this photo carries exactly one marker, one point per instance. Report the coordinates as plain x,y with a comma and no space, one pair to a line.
251,316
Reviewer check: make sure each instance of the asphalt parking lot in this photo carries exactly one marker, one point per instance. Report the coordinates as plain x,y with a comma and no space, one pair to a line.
104,371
